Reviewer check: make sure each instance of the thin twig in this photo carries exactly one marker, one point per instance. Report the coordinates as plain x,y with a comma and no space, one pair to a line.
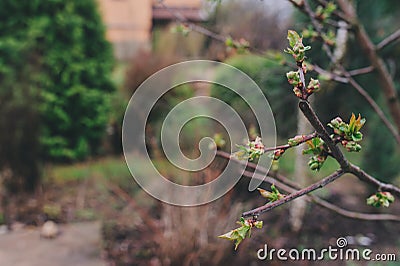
329,75
182,19
323,203
318,27
323,134
288,185
395,36
352,214
361,71
304,139
362,175
269,206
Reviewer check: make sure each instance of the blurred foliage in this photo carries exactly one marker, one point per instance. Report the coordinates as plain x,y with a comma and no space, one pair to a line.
56,50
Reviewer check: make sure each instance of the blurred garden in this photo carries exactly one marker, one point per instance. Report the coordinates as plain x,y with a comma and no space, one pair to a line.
65,82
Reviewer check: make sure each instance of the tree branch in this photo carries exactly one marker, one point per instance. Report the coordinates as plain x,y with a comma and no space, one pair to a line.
304,191
348,79
338,155
323,134
329,75
361,71
288,185
323,203
304,139
388,85
352,214
362,175
395,36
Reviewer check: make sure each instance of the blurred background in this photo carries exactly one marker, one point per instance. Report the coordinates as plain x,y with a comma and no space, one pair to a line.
67,72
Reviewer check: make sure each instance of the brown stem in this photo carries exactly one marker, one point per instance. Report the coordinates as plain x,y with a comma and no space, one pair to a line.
323,134
304,191
388,40
288,185
323,203
352,214
305,138
330,75
362,175
361,71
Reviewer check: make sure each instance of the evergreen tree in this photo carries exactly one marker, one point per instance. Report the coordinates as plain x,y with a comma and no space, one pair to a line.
63,43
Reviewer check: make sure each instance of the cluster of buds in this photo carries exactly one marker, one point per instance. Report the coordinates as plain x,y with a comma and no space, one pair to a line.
323,13
294,79
241,45
313,86
278,153
316,162
349,134
298,50
316,148
380,199
253,150
351,146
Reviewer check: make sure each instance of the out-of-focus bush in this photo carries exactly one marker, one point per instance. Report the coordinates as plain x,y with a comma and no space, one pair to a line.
63,43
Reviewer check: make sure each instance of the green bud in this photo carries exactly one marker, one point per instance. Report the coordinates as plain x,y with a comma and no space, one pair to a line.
313,86
293,78
380,199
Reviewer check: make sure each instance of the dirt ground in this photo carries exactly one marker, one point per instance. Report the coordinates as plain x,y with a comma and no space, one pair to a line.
78,244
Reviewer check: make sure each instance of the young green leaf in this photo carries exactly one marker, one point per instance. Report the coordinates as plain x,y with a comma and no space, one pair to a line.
239,234
272,195
293,38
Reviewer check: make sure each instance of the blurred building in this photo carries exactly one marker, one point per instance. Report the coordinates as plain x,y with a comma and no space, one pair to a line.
130,23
